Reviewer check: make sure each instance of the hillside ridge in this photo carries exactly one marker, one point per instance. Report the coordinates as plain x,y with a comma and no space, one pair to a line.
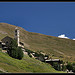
53,46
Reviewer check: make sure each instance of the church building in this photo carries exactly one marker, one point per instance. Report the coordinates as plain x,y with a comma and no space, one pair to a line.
5,42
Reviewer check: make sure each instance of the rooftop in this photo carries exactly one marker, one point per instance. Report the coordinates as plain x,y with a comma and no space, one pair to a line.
53,60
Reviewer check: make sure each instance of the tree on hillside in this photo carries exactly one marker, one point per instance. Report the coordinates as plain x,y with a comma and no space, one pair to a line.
55,65
12,47
20,53
15,51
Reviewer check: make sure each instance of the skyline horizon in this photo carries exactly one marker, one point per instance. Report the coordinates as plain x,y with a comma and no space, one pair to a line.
59,36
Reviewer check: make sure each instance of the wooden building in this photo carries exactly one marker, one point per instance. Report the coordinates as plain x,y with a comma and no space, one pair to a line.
6,41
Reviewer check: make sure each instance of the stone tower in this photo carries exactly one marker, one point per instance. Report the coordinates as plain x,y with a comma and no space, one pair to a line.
17,35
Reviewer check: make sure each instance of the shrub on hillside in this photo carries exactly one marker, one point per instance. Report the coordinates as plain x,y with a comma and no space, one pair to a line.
73,69
63,67
55,66
30,55
38,54
61,62
69,66
29,51
46,56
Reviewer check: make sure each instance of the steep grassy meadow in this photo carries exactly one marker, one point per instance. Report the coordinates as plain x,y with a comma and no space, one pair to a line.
53,46
26,65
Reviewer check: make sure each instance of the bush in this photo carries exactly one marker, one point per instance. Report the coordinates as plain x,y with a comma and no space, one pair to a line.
73,69
29,51
36,54
55,65
46,56
69,66
63,67
61,62
30,55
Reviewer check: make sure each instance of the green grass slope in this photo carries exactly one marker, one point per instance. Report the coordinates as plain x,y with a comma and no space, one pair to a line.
53,46
26,65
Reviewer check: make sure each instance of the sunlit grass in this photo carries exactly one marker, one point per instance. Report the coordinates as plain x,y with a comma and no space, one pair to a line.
26,65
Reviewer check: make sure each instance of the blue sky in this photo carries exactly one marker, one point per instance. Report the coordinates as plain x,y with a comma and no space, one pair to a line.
49,18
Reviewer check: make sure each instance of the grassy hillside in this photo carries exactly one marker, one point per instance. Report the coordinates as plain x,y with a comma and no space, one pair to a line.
26,65
53,46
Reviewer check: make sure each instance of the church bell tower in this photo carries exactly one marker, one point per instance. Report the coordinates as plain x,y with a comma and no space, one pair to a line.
17,35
